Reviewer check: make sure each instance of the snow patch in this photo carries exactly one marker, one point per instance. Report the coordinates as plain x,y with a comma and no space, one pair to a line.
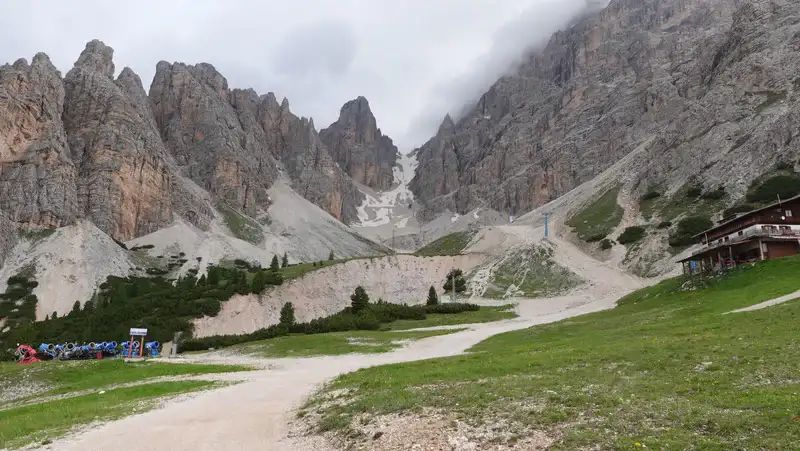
382,205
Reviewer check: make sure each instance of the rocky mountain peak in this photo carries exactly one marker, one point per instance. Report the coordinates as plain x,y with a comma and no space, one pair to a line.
37,177
447,126
356,143
97,57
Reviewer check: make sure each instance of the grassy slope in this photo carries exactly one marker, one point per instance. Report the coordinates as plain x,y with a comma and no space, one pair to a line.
338,343
69,376
452,244
599,218
665,369
484,315
32,423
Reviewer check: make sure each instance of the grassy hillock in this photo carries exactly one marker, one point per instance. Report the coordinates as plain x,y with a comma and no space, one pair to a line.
664,370
452,244
599,218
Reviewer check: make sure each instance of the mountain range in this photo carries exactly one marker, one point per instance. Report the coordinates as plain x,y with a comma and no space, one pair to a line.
640,97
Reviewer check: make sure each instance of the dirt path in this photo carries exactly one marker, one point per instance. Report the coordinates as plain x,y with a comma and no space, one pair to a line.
257,413
770,303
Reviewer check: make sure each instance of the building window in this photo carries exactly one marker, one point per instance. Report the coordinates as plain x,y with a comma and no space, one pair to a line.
741,232
788,213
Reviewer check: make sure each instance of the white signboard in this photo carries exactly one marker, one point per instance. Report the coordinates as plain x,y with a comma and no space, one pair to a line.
138,332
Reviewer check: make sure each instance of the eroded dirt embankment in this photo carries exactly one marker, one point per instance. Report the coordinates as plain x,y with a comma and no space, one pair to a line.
396,279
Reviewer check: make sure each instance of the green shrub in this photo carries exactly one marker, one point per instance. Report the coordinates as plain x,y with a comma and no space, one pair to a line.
738,208
694,191
631,235
370,318
688,228
650,195
716,194
451,308
664,224
606,244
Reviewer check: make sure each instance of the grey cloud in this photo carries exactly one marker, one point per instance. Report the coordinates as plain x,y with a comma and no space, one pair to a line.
510,44
329,47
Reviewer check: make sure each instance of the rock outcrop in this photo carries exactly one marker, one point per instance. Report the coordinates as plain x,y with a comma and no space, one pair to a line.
8,237
234,143
357,144
37,175
293,141
681,79
124,173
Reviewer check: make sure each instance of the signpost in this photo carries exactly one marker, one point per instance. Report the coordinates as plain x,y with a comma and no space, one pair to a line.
137,332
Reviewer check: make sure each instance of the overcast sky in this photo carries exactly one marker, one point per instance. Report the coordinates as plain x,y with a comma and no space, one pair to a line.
415,60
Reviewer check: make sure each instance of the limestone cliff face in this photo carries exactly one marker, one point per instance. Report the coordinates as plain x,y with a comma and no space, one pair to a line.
202,131
37,175
124,184
234,143
294,143
357,144
634,73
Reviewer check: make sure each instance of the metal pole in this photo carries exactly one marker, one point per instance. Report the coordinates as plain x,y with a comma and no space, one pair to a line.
453,295
546,218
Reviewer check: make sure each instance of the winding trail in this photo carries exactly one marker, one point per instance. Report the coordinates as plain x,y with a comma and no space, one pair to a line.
257,413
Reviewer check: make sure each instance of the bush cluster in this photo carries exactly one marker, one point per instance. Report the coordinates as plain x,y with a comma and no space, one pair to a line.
631,235
785,186
688,228
650,195
163,306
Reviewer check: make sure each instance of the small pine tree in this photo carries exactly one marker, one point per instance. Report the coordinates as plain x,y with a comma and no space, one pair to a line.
76,308
55,315
287,315
202,281
331,256
285,260
259,282
274,265
433,298
213,276
359,299
461,283
47,317
88,306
